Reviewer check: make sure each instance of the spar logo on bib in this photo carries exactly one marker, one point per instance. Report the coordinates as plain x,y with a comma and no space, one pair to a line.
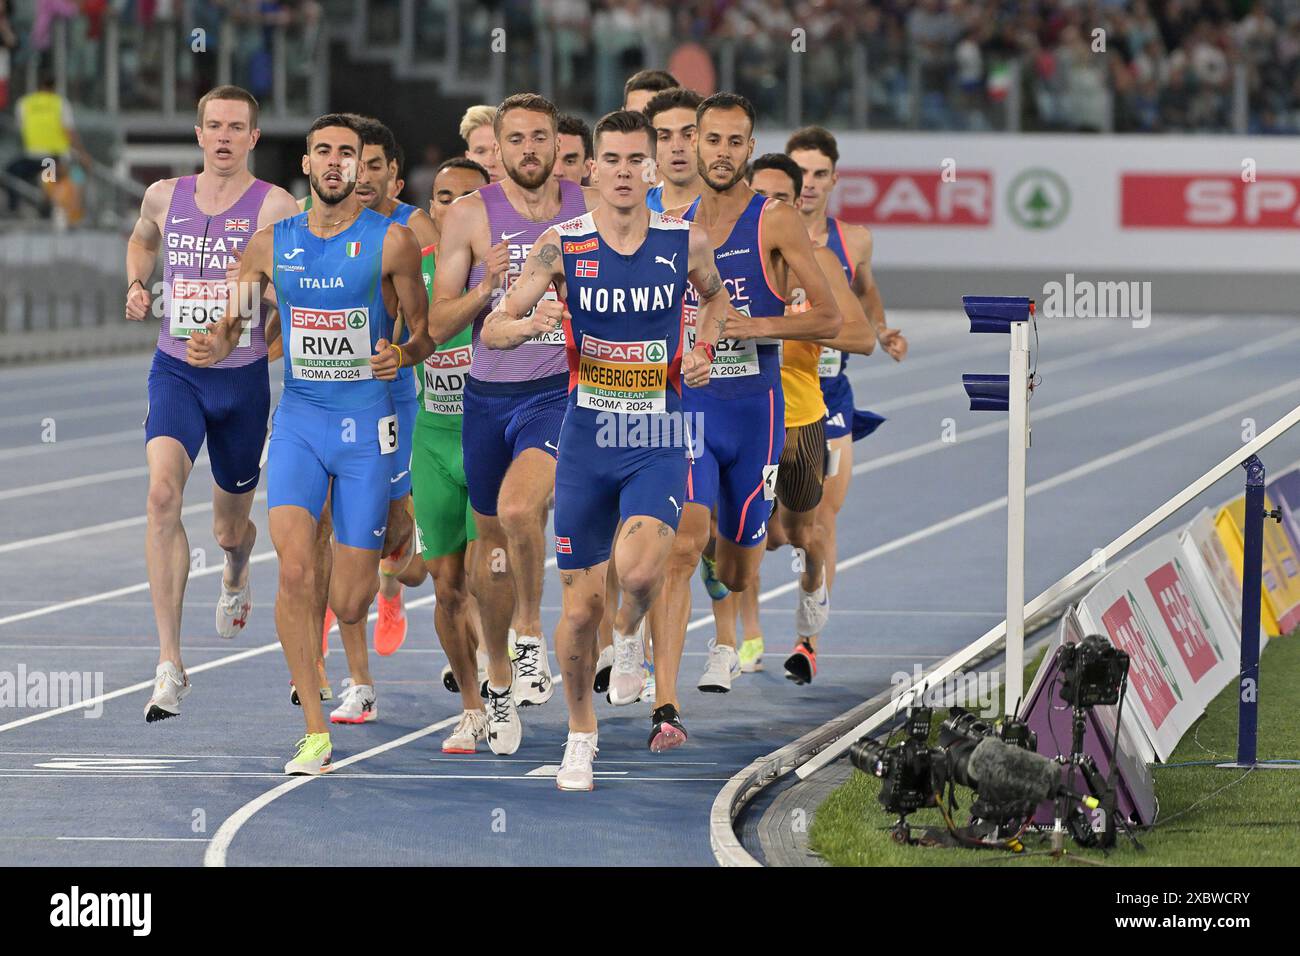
444,380
622,376
330,345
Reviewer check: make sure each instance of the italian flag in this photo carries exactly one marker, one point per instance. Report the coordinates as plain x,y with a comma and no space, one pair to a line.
354,249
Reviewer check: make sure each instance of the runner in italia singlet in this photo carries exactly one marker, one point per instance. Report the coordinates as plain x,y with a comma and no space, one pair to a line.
335,419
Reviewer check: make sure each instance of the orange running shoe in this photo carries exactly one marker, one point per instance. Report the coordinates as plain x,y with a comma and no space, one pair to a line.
325,632
390,629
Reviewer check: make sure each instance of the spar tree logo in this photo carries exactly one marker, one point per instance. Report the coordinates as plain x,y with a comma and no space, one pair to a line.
1148,678
1038,199
356,319
655,352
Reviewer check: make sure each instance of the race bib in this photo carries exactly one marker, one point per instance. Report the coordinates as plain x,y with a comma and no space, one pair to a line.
551,336
732,358
388,434
444,381
198,305
769,482
828,365
622,377
330,345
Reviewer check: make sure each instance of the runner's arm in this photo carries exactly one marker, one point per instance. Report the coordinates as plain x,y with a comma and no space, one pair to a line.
711,319
505,327
453,307
421,223
402,268
207,350
142,250
861,245
787,236
856,334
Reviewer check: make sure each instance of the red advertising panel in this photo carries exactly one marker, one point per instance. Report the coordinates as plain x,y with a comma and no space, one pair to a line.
914,197
1184,626
1145,673
1208,201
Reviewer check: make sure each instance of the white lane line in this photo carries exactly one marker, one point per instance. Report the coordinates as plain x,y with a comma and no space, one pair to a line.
74,414
1040,413
92,441
116,839
196,669
117,592
101,478
64,753
989,507
1125,348
215,855
75,533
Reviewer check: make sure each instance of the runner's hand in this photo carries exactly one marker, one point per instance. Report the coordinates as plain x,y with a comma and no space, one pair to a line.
138,301
547,317
739,325
202,350
496,265
385,362
232,268
892,341
696,367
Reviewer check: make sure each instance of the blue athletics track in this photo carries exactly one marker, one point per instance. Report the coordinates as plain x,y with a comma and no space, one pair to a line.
1123,418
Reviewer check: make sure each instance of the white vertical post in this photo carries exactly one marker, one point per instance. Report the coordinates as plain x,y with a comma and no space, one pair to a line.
1017,445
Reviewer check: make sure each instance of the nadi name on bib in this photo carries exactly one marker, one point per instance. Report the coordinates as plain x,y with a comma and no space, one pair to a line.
331,345
622,377
444,380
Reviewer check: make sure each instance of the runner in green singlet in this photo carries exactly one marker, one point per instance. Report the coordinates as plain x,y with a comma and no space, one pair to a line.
444,520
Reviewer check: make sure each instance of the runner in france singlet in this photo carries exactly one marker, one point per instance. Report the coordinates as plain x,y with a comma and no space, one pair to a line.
332,310
833,361
198,248
741,366
543,355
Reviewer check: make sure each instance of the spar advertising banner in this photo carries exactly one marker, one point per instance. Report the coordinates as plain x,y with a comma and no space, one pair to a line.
1179,644
1067,202
1285,492
1280,570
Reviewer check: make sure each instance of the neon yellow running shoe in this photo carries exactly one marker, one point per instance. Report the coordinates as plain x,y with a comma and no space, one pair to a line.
313,757
751,655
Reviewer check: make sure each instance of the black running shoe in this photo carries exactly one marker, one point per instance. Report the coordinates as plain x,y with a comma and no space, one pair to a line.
666,730
801,666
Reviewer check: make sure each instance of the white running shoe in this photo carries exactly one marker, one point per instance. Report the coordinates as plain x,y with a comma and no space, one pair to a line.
604,664
533,684
627,677
723,667
814,610
472,727
358,706
575,769
233,608
170,686
504,730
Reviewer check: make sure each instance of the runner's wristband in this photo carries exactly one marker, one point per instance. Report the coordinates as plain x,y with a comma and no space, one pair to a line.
135,282
401,356
708,350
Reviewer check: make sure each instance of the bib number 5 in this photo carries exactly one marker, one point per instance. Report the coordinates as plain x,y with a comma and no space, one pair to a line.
388,434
